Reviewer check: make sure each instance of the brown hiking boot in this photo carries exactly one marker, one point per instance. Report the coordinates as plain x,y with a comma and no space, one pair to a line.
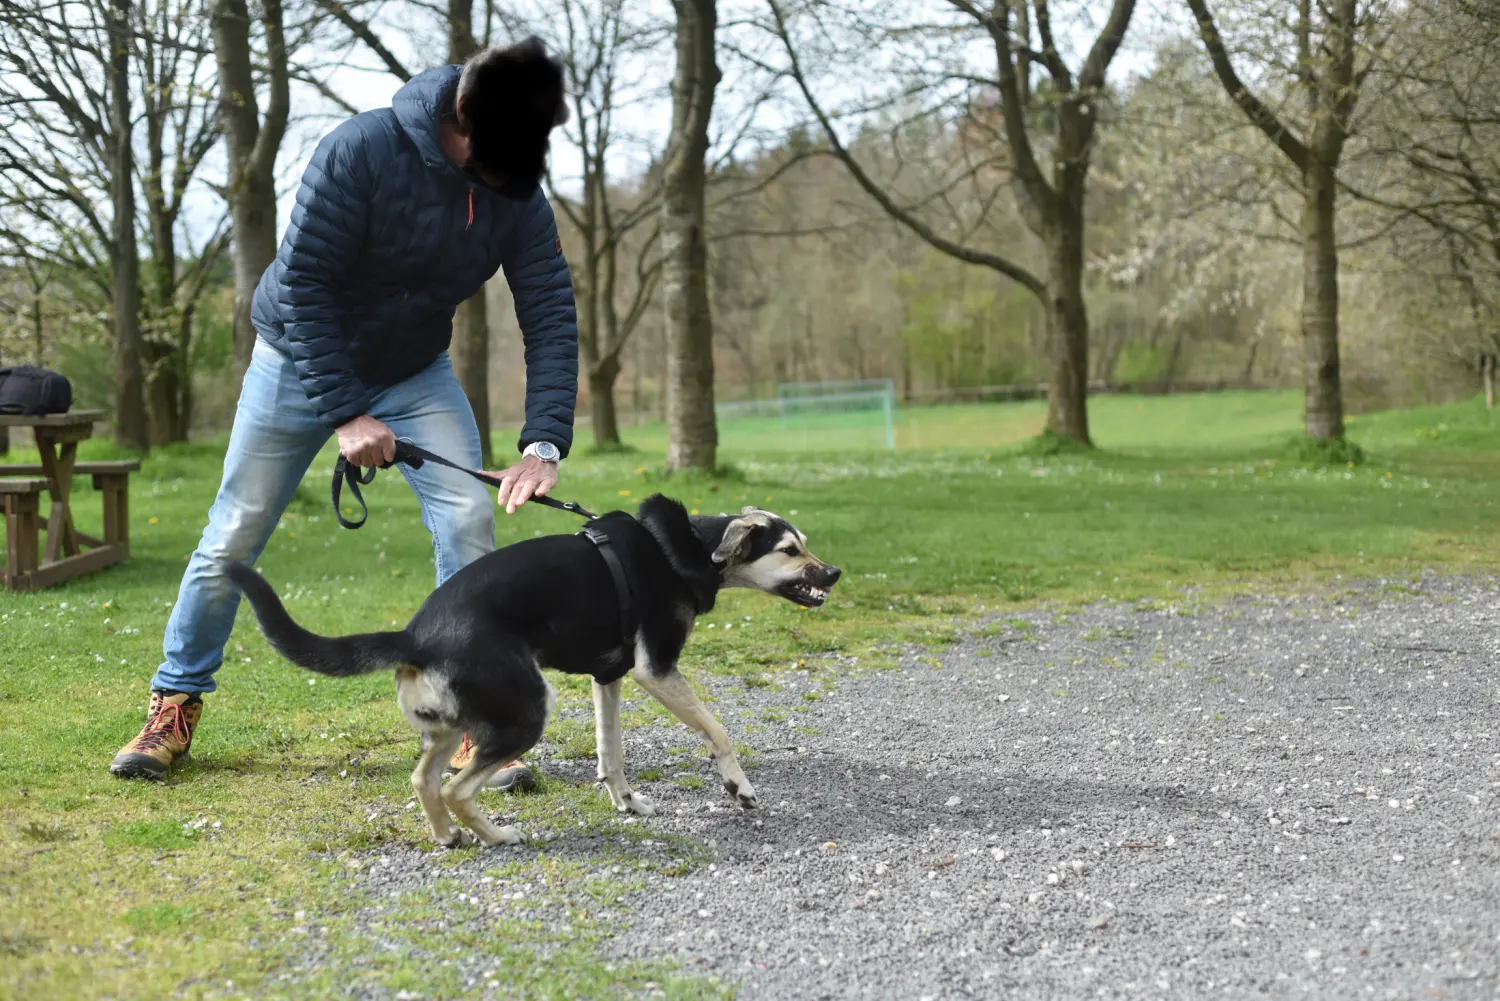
167,735
514,777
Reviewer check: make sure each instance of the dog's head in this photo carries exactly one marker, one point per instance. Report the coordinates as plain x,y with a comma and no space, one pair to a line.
763,551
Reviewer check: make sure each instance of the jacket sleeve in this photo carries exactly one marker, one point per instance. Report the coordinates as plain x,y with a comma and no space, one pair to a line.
543,291
325,234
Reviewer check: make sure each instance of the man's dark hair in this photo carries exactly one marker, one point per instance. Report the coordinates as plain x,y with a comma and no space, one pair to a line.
512,97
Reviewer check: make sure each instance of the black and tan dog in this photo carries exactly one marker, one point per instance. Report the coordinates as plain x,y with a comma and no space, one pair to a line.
470,660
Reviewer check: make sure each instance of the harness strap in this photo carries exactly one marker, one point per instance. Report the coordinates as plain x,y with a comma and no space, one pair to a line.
606,549
414,456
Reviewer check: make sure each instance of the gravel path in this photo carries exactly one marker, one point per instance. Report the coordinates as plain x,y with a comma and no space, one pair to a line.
1281,797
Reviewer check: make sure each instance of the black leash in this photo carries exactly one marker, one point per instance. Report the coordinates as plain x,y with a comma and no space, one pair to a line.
414,456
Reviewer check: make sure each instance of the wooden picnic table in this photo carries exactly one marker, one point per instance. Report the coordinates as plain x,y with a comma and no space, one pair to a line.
67,552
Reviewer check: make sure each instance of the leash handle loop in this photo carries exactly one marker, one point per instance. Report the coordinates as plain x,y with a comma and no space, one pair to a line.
346,472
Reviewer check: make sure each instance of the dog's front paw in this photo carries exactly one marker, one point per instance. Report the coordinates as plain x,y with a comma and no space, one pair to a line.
458,839
637,804
743,793
509,836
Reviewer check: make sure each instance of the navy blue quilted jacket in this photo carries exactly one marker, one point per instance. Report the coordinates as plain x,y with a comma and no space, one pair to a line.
387,238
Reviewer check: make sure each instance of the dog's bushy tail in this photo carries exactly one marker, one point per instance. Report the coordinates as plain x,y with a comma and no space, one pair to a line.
337,656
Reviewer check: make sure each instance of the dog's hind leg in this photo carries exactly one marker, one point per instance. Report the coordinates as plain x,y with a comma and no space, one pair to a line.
460,791
426,780
611,751
494,746
673,691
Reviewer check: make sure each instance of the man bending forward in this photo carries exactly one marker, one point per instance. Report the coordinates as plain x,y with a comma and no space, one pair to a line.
403,213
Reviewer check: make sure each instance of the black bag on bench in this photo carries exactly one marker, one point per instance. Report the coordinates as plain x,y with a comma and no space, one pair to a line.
31,391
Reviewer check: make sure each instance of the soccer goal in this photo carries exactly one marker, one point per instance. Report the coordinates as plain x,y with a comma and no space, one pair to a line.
843,414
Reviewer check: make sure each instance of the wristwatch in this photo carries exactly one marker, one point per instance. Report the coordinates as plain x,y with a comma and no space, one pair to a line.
544,450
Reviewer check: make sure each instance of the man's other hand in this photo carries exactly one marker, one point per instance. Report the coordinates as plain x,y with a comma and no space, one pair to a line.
531,477
366,442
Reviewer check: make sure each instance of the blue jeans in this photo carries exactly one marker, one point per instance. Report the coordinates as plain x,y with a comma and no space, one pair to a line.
276,436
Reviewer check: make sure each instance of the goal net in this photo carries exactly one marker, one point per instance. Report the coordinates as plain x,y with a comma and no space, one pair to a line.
844,414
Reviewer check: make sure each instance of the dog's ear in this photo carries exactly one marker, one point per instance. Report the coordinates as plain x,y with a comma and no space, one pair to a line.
736,534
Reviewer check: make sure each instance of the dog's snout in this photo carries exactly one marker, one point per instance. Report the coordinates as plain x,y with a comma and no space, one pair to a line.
832,574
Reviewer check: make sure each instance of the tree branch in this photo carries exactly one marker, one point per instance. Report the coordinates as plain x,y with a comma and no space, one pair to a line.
970,255
1260,116
366,34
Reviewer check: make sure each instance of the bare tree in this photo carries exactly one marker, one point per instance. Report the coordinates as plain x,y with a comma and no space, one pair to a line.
600,45
471,327
181,117
1051,200
1326,71
67,161
692,434
1438,126
79,109
252,145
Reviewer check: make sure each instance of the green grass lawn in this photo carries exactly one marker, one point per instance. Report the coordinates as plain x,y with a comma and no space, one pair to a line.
111,889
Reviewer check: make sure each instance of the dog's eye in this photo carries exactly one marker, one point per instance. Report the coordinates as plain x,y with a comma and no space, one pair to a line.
789,550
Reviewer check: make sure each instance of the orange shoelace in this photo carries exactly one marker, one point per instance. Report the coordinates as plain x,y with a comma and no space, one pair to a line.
168,721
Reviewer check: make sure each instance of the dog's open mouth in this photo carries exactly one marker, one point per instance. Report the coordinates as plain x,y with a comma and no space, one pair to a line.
804,593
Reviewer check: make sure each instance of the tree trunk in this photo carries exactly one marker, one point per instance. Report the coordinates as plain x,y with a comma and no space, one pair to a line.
185,361
692,434
602,401
165,368
1489,383
130,406
470,353
37,331
252,147
1249,374
1067,326
253,216
1324,404
471,327
163,399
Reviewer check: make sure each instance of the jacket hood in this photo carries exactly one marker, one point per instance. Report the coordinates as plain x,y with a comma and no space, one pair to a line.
419,104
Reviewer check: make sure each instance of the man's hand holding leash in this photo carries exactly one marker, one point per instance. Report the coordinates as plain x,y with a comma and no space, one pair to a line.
367,442
531,477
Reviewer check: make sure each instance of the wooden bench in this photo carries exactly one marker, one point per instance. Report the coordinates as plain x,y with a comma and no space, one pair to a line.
30,565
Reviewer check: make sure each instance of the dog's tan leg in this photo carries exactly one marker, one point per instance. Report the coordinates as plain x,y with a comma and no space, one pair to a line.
611,751
426,780
673,691
459,795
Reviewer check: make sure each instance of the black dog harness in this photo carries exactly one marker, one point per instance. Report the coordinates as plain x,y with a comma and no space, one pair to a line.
414,456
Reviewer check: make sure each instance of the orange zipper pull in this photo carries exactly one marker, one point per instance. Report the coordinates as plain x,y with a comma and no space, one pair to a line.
471,207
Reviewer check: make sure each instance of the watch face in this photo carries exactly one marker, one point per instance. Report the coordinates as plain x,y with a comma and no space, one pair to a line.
546,451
